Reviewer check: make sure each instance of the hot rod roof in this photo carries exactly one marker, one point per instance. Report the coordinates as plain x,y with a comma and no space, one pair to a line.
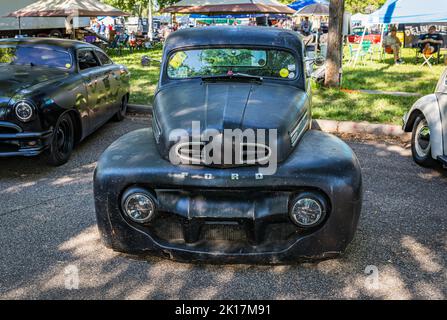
234,35
61,43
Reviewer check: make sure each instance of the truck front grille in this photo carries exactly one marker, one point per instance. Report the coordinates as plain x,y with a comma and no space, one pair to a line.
9,128
174,229
242,154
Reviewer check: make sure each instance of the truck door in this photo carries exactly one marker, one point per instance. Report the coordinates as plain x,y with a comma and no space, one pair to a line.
93,75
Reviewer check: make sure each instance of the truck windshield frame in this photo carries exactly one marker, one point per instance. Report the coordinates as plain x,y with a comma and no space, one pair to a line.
285,68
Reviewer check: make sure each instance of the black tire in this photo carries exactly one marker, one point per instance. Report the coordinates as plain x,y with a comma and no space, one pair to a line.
62,143
421,143
55,34
121,114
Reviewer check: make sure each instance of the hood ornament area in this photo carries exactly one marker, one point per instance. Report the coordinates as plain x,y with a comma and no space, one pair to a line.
232,148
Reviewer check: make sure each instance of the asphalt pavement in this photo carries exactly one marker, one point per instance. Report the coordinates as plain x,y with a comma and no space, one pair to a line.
50,248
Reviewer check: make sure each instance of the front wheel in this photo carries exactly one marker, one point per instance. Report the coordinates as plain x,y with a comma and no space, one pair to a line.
121,114
421,143
62,143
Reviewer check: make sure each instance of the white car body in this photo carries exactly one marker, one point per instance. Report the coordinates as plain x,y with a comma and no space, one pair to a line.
434,109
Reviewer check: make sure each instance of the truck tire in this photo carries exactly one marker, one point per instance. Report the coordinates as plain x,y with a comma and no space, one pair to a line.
55,34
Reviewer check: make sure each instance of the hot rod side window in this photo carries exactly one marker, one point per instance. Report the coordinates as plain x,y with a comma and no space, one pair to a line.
277,64
87,60
105,60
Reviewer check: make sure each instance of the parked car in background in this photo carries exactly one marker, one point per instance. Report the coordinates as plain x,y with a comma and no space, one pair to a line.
54,93
356,36
427,120
284,194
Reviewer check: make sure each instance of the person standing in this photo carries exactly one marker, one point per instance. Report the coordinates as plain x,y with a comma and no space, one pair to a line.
102,29
306,26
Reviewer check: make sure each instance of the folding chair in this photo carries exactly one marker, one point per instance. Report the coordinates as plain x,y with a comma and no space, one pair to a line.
365,49
386,51
428,58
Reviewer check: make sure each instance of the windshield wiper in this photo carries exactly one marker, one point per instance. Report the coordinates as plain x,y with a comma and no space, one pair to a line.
230,76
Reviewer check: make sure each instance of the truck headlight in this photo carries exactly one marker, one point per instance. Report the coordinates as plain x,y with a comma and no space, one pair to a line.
138,205
308,210
24,111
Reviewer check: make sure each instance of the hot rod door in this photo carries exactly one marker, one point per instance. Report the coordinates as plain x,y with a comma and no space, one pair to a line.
92,74
441,93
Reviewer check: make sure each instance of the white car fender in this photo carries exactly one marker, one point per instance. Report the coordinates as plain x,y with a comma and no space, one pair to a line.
429,107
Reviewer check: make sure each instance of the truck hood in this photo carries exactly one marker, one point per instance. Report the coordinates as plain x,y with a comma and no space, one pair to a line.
15,78
230,105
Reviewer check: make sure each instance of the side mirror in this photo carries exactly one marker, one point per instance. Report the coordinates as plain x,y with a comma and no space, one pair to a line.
147,61
318,61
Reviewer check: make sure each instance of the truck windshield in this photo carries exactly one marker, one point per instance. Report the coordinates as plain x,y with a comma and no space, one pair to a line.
35,56
277,64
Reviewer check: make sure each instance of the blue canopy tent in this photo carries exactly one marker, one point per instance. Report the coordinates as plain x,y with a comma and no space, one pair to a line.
410,11
297,5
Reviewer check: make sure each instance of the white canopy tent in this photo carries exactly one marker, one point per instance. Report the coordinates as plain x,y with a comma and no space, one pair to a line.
360,19
410,11
407,11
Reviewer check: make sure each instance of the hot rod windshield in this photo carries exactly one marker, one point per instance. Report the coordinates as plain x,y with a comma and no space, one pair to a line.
35,56
279,64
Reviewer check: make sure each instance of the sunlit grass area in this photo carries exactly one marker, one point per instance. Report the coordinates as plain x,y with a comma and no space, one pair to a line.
337,105
143,79
329,103
386,76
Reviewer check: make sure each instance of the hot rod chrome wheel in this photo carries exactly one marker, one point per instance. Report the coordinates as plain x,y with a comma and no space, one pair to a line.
63,141
421,143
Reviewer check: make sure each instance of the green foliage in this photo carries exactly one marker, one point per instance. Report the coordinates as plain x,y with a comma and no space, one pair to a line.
7,55
355,6
363,6
133,6
137,7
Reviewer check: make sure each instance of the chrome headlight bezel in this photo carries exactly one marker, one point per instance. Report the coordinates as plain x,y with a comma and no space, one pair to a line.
24,104
318,202
133,194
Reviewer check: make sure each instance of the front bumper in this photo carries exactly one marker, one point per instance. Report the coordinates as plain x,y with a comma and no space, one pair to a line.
14,142
224,220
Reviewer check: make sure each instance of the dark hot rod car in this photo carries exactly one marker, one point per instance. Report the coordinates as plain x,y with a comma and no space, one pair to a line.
54,93
230,171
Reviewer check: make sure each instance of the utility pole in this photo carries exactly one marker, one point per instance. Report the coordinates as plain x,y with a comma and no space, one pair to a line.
150,22
335,43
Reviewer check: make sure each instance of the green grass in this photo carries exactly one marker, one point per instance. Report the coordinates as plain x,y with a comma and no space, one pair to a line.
328,103
377,75
337,105
386,76
143,79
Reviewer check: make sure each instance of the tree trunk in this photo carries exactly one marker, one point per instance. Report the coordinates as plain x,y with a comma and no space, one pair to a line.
150,22
335,43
